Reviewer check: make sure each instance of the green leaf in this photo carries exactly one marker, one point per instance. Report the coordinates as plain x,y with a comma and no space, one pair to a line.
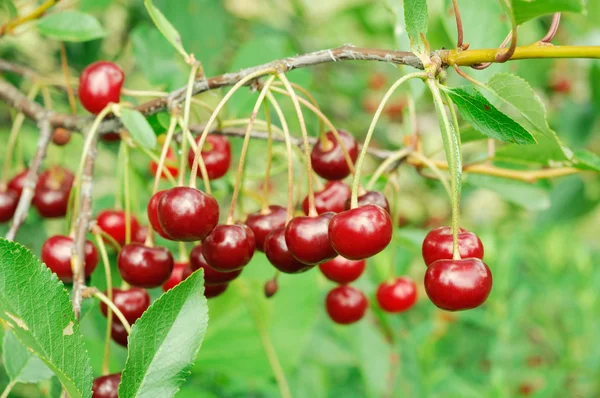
484,116
9,7
35,305
528,196
72,26
165,340
138,127
416,19
20,364
524,10
165,27
586,160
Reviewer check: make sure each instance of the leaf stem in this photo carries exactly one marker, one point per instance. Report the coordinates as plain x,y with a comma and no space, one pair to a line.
386,164
107,273
8,389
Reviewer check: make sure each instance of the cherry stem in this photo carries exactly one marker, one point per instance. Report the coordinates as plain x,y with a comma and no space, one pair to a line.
126,181
107,273
119,178
312,100
486,65
386,164
414,129
203,172
183,256
164,152
109,238
265,196
65,67
459,25
156,160
183,160
100,296
436,170
553,29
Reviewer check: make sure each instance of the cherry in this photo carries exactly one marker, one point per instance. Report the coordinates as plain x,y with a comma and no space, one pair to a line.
328,161
271,287
211,276
55,178
110,137
8,204
100,84
372,198
377,81
332,198
57,251
106,386
145,266
280,256
455,285
61,137
341,270
113,223
361,232
176,276
262,223
131,302
210,291
229,247
170,164
438,245
141,234
397,295
153,214
346,304
119,334
307,239
51,203
216,154
187,214
17,183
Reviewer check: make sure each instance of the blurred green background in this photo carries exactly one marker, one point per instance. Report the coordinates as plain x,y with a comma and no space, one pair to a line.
538,333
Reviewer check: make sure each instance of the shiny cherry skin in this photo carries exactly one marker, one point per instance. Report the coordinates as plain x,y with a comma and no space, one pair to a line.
100,84
455,285
106,386
55,178
144,266
332,198
176,276
341,270
397,295
216,155
51,203
141,234
280,256
113,223
361,232
110,137
346,304
372,198
328,161
152,210
56,254
187,214
210,291
8,204
131,302
17,183
307,239
118,334
438,245
229,247
211,276
170,164
262,223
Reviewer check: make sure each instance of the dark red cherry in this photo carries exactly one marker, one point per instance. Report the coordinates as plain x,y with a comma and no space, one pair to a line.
119,334
332,198
397,295
210,291
346,304
307,239
106,386
100,84
176,276
371,198
211,276
361,232
8,204
57,251
341,270
110,137
216,154
229,247
113,223
153,214
55,178
279,255
455,285
61,136
187,214
262,223
170,164
51,203
145,266
438,245
131,302
328,160
17,183
141,234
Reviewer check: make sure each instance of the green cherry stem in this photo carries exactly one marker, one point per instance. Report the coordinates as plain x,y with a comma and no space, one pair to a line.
164,152
127,183
203,172
156,160
100,296
386,164
265,197
436,170
109,291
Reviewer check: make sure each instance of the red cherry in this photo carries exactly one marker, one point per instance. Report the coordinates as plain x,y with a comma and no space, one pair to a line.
51,203
377,81
332,198
561,85
210,291
398,295
341,270
438,245
119,334
131,302
346,304
113,223
55,178
328,161
279,255
61,137
110,137
216,154
57,252
145,266
17,183
176,276
372,198
100,84
141,234
229,247
263,223
211,277
170,164
361,232
187,214
8,204
153,214
106,386
455,285
307,239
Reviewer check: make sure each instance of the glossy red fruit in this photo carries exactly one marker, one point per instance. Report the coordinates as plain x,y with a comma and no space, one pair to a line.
118,334
56,254
437,245
211,276
55,178
145,266
187,214
346,304
216,155
131,302
341,270
100,84
170,164
17,183
8,204
328,161
106,386
455,285
263,223
176,276
332,198
229,247
280,256
361,232
307,239
397,295
113,223
141,234
215,290
110,137
371,198
61,137
51,203
152,210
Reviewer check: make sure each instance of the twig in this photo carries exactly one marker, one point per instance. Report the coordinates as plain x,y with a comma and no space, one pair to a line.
552,30
459,25
9,26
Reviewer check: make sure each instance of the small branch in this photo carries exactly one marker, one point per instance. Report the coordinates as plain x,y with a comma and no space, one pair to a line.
10,26
459,25
553,29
